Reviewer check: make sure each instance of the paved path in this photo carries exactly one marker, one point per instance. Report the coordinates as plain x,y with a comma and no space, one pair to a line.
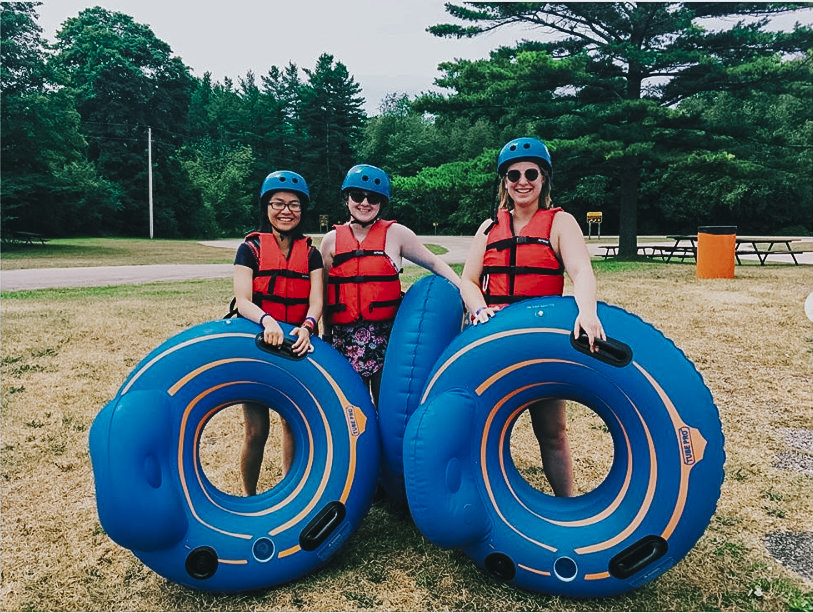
99,276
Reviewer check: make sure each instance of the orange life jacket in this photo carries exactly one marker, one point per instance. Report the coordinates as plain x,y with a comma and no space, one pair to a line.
524,266
282,285
363,282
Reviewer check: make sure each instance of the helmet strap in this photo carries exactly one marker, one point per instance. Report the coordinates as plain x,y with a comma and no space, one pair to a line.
363,224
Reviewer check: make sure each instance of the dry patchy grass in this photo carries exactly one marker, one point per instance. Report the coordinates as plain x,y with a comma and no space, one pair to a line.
72,252
65,353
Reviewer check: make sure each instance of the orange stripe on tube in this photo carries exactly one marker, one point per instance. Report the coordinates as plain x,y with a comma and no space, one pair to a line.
482,341
322,484
290,551
163,354
181,473
201,369
596,576
483,387
647,502
536,571
693,447
356,426
487,481
519,365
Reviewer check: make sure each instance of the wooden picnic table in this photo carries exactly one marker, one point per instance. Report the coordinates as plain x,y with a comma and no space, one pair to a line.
25,238
760,246
654,250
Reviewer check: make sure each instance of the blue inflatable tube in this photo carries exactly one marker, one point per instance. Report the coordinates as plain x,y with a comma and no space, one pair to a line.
430,316
657,499
154,498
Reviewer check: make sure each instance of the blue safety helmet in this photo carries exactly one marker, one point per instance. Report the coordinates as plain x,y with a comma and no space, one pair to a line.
524,149
288,181
368,178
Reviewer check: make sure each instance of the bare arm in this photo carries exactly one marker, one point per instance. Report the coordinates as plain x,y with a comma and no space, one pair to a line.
415,251
470,279
243,290
568,242
315,301
328,250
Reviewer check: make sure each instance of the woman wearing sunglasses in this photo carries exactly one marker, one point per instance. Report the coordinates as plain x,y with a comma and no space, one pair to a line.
362,262
524,253
277,277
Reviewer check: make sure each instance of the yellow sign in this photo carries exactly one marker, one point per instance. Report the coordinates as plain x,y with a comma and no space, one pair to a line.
594,216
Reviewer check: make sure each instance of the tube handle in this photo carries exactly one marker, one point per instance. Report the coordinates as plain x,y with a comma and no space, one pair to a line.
612,351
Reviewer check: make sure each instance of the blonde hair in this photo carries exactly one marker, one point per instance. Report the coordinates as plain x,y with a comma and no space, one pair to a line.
507,203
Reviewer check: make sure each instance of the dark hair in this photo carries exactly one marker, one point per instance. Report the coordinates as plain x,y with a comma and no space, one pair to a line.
265,224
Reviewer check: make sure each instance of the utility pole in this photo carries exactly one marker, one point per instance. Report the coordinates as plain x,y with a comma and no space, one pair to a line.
149,172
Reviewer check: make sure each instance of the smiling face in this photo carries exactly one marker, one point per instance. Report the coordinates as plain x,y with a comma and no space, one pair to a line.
524,191
284,210
363,211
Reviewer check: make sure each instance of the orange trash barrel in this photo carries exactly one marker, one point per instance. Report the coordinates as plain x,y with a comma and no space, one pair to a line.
716,247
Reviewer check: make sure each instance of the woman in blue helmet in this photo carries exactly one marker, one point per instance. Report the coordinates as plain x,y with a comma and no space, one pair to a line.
277,277
362,262
523,253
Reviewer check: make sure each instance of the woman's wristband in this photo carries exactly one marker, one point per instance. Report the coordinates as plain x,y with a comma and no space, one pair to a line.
263,316
309,324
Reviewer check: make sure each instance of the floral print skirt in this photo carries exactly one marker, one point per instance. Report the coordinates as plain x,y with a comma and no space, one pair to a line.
363,344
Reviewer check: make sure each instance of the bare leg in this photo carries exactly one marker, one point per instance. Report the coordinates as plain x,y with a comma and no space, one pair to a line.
251,456
549,422
288,448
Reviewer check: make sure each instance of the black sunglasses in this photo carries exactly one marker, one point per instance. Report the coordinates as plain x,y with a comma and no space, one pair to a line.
358,197
532,174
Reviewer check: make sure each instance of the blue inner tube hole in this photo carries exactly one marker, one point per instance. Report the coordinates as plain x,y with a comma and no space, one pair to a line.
591,449
221,445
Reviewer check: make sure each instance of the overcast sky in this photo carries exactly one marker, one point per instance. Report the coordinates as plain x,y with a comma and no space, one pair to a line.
383,43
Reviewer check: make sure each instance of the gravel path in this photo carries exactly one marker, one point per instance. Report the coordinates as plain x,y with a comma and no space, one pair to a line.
794,550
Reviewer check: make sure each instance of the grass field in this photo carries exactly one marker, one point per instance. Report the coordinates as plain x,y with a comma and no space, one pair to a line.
66,352
73,252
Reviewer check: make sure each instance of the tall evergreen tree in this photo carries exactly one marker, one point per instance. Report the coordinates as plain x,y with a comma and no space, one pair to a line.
641,59
278,124
331,115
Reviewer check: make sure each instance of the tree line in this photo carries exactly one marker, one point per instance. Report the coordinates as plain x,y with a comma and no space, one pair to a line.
654,115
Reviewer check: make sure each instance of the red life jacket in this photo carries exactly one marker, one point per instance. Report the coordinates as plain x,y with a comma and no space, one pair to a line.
524,266
282,285
363,282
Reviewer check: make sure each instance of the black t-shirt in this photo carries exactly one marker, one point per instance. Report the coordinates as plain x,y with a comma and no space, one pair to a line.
247,257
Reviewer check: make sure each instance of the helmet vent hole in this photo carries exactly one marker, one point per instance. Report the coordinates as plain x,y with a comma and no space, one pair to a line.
282,179
295,180
526,146
513,147
365,178
377,181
